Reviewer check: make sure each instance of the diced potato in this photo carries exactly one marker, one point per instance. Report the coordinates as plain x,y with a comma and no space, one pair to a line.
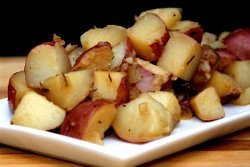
142,119
206,105
68,90
226,87
244,98
36,111
240,71
170,102
169,15
181,55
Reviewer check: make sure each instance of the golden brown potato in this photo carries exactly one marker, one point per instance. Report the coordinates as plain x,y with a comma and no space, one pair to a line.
206,105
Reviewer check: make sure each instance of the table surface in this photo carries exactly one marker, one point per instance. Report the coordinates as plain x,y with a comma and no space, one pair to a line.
230,150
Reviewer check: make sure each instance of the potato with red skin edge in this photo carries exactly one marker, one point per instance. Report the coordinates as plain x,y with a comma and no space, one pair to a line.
123,92
17,87
148,35
146,77
181,55
44,61
190,28
195,33
98,58
113,34
110,85
238,43
89,120
226,59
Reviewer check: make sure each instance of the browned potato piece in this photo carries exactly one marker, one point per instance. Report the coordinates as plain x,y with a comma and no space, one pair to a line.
37,112
206,105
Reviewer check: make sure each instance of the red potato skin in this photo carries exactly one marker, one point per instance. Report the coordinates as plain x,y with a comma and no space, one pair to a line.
195,33
238,43
50,43
76,121
226,58
123,92
12,96
129,48
158,46
87,55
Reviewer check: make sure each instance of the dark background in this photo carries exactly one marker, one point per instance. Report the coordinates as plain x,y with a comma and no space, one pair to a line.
26,24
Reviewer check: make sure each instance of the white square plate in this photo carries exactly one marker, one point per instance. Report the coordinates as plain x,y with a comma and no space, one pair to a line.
117,152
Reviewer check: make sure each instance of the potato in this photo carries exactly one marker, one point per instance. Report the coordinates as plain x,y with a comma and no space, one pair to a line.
238,43
170,102
190,28
169,15
67,90
89,120
147,77
17,87
226,87
206,105
98,58
181,55
44,61
240,71
37,112
244,98
110,86
112,34
148,35
142,119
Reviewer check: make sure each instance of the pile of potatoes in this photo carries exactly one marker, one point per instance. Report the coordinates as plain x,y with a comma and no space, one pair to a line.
141,81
